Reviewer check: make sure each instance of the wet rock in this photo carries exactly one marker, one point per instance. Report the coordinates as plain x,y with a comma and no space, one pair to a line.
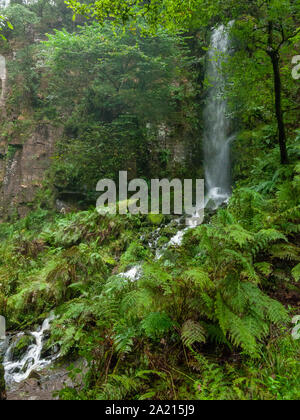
3,346
31,382
49,382
35,376
49,350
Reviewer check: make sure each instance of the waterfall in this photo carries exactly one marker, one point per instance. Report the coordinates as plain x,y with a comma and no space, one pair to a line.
216,122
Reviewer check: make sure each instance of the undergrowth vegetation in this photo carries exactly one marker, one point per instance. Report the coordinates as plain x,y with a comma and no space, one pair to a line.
211,319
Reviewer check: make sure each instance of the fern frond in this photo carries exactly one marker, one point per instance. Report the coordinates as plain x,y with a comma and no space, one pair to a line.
266,236
192,332
200,278
123,339
264,268
288,252
244,262
156,325
239,235
296,272
238,332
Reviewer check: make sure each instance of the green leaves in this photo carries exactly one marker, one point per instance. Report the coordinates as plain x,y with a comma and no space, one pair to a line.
10,26
170,14
112,89
296,272
3,23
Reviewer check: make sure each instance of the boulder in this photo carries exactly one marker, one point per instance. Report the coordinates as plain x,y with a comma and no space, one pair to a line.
22,346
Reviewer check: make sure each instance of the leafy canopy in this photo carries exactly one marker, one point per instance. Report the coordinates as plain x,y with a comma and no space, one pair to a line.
176,15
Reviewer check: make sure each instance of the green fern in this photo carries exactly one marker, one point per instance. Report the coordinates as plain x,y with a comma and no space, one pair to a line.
200,278
296,272
192,332
157,325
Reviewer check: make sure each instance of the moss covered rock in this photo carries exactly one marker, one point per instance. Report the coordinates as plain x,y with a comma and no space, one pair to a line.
21,346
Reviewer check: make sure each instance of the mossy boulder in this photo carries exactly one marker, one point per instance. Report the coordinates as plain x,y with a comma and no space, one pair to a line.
21,346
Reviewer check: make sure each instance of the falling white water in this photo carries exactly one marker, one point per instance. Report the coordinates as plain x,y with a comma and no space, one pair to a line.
4,3
18,371
133,274
217,140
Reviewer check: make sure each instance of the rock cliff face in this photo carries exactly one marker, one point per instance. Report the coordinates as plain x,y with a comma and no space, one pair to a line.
22,169
23,163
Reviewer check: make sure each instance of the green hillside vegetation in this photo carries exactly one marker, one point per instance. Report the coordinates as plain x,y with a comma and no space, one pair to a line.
212,318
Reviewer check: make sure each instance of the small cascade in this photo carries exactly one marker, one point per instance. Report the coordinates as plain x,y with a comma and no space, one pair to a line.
217,138
32,360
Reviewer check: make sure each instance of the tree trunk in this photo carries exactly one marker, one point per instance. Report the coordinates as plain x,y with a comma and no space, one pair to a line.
2,382
278,105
